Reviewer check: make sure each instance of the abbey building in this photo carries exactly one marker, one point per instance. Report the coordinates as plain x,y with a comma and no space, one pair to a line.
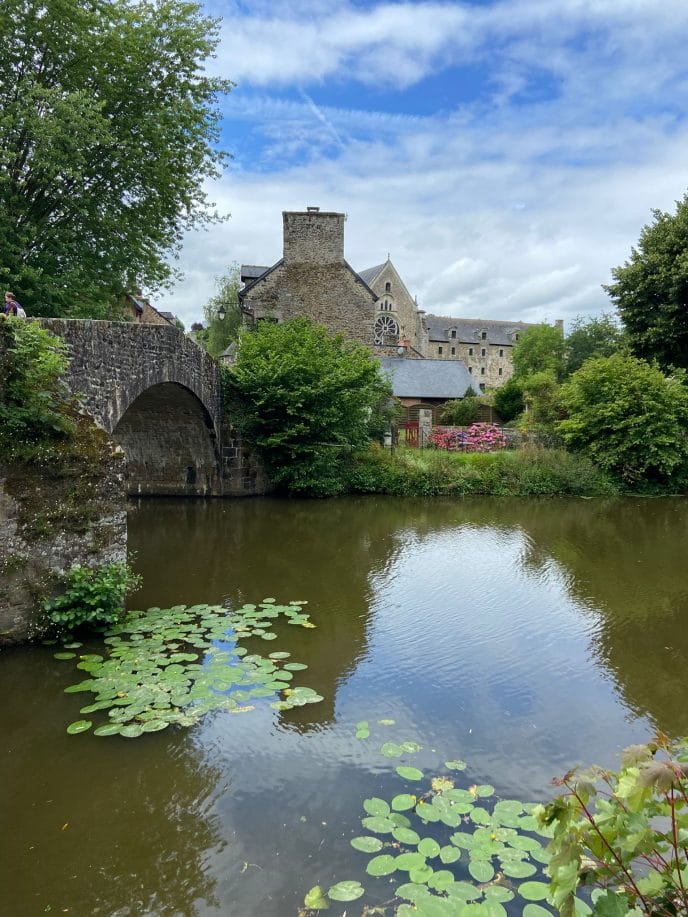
372,306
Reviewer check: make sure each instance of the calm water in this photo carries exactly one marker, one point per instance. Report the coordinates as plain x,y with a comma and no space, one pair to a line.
523,636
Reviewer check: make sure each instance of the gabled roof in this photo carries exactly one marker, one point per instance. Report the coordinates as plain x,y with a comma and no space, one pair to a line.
469,330
427,378
370,273
252,271
251,283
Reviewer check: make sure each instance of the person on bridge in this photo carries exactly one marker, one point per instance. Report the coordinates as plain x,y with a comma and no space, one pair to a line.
12,307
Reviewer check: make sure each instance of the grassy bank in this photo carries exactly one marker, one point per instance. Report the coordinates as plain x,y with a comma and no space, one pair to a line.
524,472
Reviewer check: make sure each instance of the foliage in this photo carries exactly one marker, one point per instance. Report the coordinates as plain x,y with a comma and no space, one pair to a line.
34,404
592,337
479,437
625,833
305,399
109,133
650,290
540,348
461,412
521,472
628,417
219,333
442,849
153,676
93,596
541,397
508,400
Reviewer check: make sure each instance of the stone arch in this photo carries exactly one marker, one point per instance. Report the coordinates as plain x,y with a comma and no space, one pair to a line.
169,441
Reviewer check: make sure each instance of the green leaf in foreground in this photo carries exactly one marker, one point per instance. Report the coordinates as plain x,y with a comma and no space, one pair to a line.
315,899
346,891
533,891
391,750
383,865
367,844
79,726
455,765
409,773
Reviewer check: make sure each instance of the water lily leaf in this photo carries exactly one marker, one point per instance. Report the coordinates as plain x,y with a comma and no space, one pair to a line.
367,844
155,725
79,726
498,893
518,869
428,812
363,724
481,870
412,891
378,824
295,666
480,816
441,880
457,765
533,891
391,750
383,865
411,747
386,722
399,820
131,730
403,802
409,773
421,874
109,729
74,645
450,854
429,847
280,655
484,789
536,910
315,899
410,860
465,891
269,635
346,891
269,601
406,836
375,806
64,656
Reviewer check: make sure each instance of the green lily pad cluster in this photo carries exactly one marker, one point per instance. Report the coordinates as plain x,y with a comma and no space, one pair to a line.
173,665
448,851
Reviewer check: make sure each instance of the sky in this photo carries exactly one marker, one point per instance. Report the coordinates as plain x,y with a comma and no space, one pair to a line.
504,153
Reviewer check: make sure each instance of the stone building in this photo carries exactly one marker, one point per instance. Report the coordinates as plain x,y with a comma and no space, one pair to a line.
372,306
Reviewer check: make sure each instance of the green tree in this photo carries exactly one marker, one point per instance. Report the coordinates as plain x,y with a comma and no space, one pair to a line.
508,400
219,331
108,134
650,290
541,396
628,417
540,348
305,399
462,411
592,337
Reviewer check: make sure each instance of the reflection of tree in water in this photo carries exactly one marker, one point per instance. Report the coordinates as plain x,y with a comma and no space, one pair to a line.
137,832
622,559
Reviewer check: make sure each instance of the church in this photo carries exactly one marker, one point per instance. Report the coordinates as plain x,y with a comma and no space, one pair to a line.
372,306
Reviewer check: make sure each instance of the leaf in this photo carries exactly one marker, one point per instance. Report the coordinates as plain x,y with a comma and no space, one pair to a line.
411,747
383,865
518,869
421,874
403,802
376,806
378,824
346,891
79,726
533,891
450,854
536,910
481,870
64,656
386,722
109,729
409,773
406,836
367,844
391,750
315,899
457,765
429,847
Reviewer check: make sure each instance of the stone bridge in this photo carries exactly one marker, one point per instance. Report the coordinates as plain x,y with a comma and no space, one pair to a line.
158,395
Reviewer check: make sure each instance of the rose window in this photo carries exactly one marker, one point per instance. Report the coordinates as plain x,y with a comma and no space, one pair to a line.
386,330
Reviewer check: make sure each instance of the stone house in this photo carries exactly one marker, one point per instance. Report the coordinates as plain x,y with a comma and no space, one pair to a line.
143,313
426,384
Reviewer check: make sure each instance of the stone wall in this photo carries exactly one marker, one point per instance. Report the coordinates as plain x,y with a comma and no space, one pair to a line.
50,520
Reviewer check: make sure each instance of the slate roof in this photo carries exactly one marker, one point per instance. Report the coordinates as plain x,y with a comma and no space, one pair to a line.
252,271
370,273
469,330
427,378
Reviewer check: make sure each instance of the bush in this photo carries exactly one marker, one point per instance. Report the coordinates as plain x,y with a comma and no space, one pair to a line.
628,417
461,412
93,597
624,833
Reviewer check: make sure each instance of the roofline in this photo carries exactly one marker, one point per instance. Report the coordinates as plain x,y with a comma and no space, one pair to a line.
249,286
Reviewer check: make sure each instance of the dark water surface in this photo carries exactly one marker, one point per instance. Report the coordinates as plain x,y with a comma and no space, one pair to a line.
523,636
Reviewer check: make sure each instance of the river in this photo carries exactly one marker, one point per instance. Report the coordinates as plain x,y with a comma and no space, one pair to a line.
522,636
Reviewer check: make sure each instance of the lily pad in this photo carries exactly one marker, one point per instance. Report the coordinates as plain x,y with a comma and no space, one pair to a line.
383,865
457,765
409,773
403,802
376,806
481,870
346,891
108,729
367,844
378,824
79,726
315,900
391,750
533,891
406,836
64,656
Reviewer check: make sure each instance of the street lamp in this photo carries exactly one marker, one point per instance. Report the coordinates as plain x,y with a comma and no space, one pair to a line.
221,312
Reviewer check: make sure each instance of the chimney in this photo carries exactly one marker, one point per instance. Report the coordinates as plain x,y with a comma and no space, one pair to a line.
313,237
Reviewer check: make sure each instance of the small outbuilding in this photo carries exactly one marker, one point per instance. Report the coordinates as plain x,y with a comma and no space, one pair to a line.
426,383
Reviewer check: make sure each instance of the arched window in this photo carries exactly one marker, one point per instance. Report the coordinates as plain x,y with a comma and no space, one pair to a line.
386,330
388,287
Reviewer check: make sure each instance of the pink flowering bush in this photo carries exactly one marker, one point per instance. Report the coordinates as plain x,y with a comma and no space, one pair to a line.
479,437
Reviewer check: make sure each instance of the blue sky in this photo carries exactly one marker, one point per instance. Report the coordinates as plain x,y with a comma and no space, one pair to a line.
506,154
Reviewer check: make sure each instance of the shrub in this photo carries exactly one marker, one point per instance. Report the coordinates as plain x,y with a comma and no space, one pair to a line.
624,833
461,412
94,596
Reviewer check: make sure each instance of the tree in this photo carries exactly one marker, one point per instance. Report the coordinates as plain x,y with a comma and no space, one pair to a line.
651,289
108,133
539,348
305,399
462,412
592,337
628,417
219,332
508,400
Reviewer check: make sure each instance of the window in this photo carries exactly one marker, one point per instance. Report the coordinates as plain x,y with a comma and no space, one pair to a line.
501,353
470,370
453,351
386,331
388,287
453,334
482,352
470,351
516,337
439,351
484,335
482,370
499,371
482,386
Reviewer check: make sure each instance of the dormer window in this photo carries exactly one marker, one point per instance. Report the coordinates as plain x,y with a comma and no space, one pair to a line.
483,335
388,287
